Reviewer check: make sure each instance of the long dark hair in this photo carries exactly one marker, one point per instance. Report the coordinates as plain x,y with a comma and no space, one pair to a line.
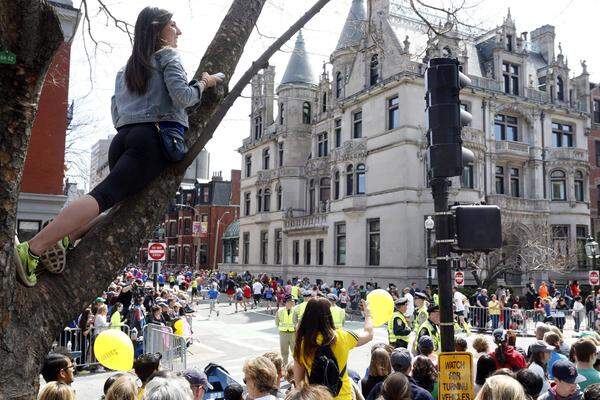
150,22
537,357
485,368
316,320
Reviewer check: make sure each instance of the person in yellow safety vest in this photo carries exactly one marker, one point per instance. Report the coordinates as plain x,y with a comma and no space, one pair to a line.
431,328
295,292
420,310
337,313
284,320
299,310
398,327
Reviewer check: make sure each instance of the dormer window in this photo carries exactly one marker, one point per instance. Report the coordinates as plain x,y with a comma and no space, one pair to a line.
306,114
338,85
510,72
257,128
374,70
560,89
509,44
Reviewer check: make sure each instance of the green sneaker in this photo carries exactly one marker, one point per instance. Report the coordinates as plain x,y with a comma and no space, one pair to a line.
26,264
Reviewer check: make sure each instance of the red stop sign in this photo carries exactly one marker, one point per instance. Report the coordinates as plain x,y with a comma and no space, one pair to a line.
459,278
156,251
594,278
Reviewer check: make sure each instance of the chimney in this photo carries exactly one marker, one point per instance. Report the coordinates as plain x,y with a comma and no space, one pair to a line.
236,176
543,40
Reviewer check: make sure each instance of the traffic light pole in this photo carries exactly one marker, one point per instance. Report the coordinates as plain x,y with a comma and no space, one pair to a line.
439,190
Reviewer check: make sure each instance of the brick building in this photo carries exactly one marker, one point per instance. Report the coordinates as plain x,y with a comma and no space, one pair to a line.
594,151
195,222
42,193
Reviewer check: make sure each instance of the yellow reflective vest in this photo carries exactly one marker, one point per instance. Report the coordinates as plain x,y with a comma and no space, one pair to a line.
339,315
392,337
421,316
300,310
286,320
295,292
431,331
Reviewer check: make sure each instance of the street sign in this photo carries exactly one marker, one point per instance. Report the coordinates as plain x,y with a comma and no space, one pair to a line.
594,277
459,278
456,376
6,57
157,251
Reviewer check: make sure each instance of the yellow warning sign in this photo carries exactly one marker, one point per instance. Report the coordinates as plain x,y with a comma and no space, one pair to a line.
456,376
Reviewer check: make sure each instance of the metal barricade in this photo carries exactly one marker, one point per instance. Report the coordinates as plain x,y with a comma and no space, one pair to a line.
173,348
81,345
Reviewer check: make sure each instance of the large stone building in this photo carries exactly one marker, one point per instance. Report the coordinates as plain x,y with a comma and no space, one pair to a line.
334,176
594,151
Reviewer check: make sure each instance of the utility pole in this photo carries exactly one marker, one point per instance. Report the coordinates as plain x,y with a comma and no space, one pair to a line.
445,118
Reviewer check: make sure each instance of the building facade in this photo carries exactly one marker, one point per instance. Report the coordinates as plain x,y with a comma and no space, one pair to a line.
594,151
196,221
42,192
334,175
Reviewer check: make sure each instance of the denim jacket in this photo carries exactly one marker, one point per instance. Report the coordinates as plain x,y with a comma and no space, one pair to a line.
167,96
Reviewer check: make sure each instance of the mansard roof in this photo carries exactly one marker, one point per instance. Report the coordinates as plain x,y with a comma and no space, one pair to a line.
354,28
298,69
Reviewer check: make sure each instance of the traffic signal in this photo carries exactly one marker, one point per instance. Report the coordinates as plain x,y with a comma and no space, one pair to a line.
445,117
476,228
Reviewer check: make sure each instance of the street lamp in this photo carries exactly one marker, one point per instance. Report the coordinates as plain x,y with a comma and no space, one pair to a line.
592,251
217,240
429,225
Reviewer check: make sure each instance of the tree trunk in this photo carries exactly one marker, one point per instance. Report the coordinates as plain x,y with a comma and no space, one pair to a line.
31,319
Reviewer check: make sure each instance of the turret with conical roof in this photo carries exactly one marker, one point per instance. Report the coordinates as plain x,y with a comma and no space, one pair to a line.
298,69
354,28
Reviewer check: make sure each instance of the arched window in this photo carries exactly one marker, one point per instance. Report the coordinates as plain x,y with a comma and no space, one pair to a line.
281,110
374,70
279,195
267,200
338,85
558,180
246,204
336,185
560,89
360,179
311,197
266,156
257,128
259,200
324,193
324,102
578,186
349,180
306,113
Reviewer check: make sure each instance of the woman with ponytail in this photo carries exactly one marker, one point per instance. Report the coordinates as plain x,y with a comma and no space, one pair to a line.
151,94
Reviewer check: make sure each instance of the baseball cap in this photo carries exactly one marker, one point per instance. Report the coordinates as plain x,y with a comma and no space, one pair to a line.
100,300
499,335
420,295
433,308
565,371
540,345
401,359
426,344
196,378
288,297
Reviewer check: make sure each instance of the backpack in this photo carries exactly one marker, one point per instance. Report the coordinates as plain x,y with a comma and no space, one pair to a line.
325,370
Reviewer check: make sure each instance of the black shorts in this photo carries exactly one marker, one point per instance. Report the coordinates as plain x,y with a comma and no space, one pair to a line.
135,158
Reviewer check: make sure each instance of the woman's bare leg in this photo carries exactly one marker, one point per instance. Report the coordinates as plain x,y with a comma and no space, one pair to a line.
80,232
77,214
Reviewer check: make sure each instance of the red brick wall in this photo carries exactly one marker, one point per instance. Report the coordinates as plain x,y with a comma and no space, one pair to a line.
236,176
45,163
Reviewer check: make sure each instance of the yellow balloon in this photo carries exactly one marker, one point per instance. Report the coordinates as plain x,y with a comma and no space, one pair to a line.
381,305
178,327
114,350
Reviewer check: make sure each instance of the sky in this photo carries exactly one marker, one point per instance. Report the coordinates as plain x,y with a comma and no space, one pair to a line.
92,79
